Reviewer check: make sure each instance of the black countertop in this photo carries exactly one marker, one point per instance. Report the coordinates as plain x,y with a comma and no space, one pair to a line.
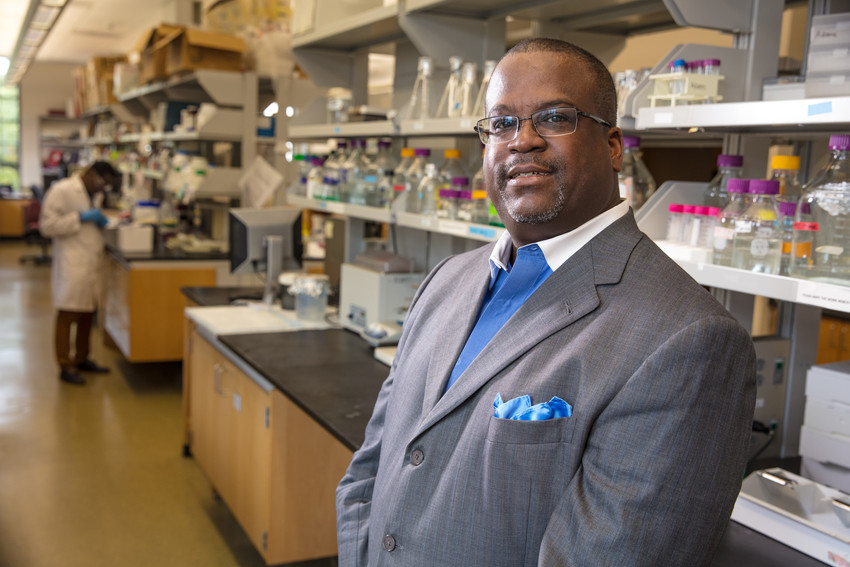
210,296
330,374
334,378
160,253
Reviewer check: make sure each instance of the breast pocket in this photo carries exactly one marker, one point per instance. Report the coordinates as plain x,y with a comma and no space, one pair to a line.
525,475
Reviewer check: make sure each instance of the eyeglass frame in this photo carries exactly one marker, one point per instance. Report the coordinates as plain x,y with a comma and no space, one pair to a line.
593,117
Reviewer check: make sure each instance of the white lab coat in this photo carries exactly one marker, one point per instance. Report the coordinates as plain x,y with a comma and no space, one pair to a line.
77,246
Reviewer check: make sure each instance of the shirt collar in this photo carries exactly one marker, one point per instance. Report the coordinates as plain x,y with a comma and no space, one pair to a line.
558,249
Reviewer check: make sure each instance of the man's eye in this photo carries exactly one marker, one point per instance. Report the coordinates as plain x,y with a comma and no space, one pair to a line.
501,123
554,117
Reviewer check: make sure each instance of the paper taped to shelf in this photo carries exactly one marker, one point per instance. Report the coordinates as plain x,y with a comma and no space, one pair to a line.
823,295
259,183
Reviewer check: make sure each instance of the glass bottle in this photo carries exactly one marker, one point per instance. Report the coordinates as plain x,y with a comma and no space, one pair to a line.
478,109
469,82
785,170
724,228
758,242
352,175
398,198
315,179
452,167
823,220
787,213
449,105
302,167
473,205
728,167
412,178
636,183
449,201
426,193
421,99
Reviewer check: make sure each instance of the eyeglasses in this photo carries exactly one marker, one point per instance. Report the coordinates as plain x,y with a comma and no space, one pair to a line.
548,123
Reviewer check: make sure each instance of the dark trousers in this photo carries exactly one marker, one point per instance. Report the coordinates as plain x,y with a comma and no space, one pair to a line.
83,322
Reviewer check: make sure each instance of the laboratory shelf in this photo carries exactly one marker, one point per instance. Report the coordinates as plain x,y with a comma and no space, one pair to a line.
357,211
370,27
812,114
439,127
347,130
608,16
806,292
471,231
157,174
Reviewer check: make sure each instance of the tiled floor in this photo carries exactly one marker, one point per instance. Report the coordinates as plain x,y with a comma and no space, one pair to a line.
94,476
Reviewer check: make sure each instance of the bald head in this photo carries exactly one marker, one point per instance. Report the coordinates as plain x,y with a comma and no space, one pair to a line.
605,94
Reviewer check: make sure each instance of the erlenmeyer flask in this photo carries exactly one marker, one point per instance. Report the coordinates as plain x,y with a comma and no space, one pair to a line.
449,106
478,109
467,88
419,107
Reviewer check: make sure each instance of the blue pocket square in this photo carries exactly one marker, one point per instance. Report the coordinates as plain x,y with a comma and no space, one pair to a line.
521,409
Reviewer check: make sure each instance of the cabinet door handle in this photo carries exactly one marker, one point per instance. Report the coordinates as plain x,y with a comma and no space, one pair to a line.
218,370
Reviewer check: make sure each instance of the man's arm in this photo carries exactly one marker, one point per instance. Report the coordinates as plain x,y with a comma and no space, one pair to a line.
665,459
354,493
56,220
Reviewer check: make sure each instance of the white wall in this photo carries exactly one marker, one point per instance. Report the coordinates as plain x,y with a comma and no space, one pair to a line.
45,86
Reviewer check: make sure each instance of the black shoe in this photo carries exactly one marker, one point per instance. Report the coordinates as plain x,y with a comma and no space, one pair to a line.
71,377
89,365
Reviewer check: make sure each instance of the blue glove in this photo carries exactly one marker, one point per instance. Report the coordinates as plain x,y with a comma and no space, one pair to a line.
95,216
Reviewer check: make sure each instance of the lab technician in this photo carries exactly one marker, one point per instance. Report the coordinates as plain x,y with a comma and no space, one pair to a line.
567,395
71,216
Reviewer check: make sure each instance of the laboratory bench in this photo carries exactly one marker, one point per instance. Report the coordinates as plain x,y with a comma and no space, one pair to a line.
315,392
142,304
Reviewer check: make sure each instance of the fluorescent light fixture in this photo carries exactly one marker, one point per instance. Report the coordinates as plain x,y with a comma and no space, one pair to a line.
40,17
34,37
4,66
44,17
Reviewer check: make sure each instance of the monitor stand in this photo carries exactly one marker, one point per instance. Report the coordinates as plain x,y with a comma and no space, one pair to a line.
274,265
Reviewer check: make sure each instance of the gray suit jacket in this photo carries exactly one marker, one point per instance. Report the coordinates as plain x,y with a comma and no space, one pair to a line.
645,472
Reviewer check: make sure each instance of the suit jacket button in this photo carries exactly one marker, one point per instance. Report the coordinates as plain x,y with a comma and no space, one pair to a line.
416,457
388,542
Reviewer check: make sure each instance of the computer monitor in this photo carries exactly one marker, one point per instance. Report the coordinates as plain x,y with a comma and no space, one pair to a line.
248,229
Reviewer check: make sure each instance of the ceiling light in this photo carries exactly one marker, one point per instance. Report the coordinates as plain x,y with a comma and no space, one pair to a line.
34,36
44,17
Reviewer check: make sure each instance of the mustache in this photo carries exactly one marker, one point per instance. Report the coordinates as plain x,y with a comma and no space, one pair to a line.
501,170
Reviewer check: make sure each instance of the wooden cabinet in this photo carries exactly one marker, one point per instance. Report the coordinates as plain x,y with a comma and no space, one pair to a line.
12,217
834,340
143,306
271,463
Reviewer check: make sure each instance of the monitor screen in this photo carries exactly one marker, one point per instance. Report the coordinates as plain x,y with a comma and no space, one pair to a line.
248,229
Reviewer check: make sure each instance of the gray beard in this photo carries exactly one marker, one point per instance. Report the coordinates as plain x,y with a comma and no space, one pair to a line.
540,218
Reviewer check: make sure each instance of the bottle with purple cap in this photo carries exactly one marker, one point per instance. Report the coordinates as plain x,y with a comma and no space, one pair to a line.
728,167
758,242
724,229
636,182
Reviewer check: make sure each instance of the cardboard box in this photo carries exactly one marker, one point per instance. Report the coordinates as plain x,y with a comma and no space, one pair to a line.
98,86
190,50
152,59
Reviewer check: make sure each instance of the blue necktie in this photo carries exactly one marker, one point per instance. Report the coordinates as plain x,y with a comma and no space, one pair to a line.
528,272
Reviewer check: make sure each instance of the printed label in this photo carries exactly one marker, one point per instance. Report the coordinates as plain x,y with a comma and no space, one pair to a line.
759,247
743,226
810,226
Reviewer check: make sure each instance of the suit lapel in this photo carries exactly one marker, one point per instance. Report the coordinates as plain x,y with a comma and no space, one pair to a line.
457,317
568,295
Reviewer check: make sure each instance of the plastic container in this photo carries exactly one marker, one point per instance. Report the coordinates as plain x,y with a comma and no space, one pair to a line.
450,169
399,180
822,228
425,201
674,223
724,228
758,241
728,167
473,205
413,176
339,105
421,102
451,198
311,296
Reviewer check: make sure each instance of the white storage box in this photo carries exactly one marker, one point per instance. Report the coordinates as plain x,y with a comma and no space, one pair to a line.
827,416
831,60
837,84
829,382
130,237
830,30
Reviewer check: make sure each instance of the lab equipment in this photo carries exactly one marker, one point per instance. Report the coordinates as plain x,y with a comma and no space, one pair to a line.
728,167
758,243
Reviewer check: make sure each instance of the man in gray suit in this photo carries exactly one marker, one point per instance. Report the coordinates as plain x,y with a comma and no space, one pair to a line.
567,395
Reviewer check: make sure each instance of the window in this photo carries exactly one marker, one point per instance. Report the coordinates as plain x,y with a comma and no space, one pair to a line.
10,131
